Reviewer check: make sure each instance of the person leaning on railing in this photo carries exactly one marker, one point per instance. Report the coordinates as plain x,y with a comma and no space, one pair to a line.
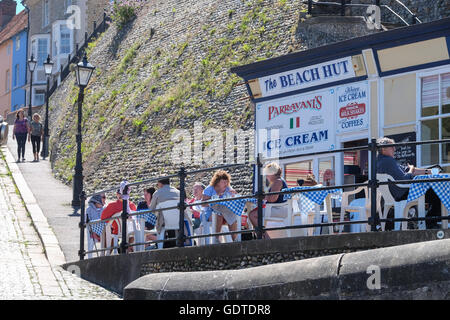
272,171
388,165
220,187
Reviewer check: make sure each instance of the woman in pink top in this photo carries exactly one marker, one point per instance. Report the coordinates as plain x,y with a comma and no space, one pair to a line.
20,132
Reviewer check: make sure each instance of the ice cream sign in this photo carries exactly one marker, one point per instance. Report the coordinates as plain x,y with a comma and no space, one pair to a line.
352,106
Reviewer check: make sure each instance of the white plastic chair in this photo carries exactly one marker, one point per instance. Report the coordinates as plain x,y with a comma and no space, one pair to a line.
279,215
400,208
107,236
171,220
317,216
361,206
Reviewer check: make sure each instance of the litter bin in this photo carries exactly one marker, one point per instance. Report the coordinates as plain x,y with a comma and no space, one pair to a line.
3,131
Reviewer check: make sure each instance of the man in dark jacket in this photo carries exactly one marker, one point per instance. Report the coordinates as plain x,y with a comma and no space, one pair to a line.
388,165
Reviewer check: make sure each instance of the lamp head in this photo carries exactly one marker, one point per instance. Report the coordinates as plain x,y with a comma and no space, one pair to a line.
84,72
48,66
32,63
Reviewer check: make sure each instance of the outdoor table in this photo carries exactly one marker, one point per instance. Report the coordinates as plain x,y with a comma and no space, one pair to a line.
442,190
98,228
229,210
310,201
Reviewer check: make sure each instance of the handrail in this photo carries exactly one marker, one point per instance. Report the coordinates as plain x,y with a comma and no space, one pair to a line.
372,184
376,2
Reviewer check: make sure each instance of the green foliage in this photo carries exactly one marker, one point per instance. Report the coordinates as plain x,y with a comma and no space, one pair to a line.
123,12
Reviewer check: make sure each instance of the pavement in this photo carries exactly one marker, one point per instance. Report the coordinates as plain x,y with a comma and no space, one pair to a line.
47,199
38,233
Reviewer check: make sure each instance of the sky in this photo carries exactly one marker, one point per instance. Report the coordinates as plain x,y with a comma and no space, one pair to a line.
19,6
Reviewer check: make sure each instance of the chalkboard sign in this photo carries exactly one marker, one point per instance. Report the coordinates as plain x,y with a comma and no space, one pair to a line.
405,154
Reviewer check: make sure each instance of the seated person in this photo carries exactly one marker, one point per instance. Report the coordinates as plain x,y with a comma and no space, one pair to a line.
272,171
220,187
93,212
144,205
388,165
113,208
196,210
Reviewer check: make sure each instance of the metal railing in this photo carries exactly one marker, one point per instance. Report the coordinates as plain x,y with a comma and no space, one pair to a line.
372,184
343,4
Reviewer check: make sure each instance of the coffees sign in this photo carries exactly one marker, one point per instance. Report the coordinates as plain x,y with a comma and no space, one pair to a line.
307,123
352,105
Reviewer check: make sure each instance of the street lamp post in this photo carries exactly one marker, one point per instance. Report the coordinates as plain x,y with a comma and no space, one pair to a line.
31,66
84,72
48,66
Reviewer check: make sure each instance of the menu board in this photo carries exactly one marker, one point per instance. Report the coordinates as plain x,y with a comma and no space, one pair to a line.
405,154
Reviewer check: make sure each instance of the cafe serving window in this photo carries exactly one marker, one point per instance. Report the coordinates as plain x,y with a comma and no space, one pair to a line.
435,119
323,170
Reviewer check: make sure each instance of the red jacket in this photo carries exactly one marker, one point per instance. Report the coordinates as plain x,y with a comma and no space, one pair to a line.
113,208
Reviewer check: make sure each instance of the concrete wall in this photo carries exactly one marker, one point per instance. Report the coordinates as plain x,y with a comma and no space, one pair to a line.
413,271
116,272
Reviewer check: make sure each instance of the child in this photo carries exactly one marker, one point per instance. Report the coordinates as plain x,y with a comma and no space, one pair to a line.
36,133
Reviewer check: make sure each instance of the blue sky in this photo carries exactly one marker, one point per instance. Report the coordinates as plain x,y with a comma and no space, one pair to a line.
19,6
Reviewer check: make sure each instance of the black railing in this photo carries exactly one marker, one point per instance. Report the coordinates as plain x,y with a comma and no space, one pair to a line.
343,5
372,184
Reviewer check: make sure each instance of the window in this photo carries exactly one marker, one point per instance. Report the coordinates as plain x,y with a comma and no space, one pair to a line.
16,75
39,97
65,40
17,43
42,51
8,81
295,171
435,118
45,13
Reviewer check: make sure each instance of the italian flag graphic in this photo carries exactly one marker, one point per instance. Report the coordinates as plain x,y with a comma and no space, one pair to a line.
295,122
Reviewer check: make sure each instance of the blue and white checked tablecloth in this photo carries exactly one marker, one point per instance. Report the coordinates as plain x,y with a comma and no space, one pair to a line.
97,228
441,188
237,206
309,199
315,196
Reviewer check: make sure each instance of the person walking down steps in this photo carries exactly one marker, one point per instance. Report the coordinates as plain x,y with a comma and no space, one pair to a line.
37,133
20,132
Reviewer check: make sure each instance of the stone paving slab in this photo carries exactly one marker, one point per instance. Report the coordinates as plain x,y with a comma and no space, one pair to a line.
25,271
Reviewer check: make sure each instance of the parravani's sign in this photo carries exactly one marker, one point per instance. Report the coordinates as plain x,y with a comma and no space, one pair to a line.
310,76
302,123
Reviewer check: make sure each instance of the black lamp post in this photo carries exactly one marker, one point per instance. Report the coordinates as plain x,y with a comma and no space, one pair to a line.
31,66
84,72
48,66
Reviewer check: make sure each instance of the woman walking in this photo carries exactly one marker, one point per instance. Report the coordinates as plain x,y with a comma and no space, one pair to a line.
20,132
37,133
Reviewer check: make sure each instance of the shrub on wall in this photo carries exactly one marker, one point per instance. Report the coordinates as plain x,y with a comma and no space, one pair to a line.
123,11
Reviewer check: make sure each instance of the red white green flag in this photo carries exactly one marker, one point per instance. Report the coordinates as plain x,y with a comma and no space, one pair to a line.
295,123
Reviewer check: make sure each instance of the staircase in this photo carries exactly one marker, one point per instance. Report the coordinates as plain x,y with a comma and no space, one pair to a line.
392,13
